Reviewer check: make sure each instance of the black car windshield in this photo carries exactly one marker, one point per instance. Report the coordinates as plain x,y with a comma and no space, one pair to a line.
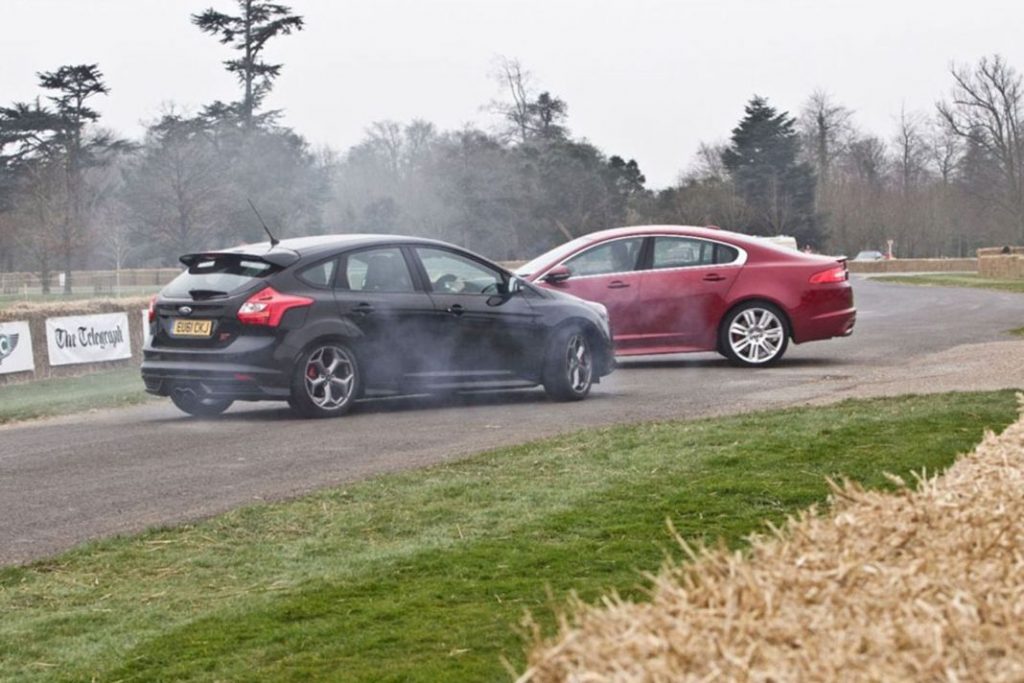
218,275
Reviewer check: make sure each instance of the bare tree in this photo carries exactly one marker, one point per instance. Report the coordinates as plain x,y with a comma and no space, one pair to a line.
517,81
985,110
911,150
387,137
826,130
707,164
945,149
175,190
40,215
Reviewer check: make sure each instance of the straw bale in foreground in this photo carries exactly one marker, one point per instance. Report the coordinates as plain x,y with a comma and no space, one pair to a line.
923,584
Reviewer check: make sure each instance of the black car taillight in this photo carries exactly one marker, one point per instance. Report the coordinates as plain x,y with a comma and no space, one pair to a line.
267,306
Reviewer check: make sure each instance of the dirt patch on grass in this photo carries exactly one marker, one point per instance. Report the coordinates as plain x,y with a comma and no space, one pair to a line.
922,584
971,367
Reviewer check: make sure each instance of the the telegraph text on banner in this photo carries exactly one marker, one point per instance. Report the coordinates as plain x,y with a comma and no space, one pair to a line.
88,338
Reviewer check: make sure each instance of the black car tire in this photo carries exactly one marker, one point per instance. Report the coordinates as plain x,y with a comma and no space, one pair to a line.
569,365
750,328
326,380
190,403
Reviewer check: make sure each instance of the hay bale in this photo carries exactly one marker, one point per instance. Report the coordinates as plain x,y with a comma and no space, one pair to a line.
923,584
22,310
36,313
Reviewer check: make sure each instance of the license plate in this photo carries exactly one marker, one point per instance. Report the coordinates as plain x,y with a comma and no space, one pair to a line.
192,328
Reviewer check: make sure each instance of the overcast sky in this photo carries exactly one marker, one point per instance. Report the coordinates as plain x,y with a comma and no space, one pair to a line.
647,79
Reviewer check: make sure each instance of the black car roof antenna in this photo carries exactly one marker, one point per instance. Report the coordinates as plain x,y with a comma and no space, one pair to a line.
273,240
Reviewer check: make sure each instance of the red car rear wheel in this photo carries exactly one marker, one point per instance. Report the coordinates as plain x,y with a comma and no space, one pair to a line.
754,334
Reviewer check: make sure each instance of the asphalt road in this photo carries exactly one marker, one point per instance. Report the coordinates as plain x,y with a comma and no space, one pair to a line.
70,479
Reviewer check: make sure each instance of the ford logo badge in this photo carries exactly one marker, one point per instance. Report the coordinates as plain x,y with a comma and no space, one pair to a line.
185,310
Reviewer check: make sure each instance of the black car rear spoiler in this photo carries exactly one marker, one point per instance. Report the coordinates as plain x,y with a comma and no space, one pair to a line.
278,257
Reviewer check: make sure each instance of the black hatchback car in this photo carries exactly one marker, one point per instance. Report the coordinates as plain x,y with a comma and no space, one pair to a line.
320,321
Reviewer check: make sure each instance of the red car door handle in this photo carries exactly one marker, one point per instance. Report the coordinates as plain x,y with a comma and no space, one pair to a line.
713,277
618,284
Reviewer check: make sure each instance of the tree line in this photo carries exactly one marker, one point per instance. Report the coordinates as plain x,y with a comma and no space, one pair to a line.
74,194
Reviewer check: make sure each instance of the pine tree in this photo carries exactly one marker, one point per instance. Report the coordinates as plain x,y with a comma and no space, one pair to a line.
56,143
762,161
248,33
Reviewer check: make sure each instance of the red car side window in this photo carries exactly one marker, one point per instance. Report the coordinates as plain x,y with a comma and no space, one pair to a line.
616,256
682,252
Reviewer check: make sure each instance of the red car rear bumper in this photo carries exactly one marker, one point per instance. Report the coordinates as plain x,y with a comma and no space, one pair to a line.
824,313
826,326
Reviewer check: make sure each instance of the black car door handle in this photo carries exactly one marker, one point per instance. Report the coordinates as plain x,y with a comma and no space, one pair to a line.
618,284
713,277
456,309
362,309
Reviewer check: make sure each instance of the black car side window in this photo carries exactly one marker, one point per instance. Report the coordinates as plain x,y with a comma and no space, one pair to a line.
450,273
376,270
320,275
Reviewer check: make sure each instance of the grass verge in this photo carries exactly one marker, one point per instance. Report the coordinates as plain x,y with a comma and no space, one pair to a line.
423,575
959,280
63,395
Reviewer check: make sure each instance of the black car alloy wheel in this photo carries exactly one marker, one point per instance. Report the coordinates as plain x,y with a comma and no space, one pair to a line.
326,381
569,371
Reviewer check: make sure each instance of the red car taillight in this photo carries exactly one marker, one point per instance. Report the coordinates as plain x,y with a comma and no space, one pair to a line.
836,274
268,306
152,308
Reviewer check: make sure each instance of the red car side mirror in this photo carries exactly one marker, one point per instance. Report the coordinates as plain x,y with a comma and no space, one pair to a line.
558,274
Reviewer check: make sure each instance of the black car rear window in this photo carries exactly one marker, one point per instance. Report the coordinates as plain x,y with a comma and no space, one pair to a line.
218,275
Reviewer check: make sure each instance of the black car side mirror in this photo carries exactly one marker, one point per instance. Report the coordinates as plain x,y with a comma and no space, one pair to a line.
558,274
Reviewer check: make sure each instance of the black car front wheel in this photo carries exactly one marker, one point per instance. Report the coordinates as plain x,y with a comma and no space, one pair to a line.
569,366
326,381
188,401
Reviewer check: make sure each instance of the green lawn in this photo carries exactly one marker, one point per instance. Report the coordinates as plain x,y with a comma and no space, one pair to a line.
59,396
426,575
955,280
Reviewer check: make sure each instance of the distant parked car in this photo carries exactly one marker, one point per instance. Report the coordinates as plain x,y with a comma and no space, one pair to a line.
317,321
869,256
672,289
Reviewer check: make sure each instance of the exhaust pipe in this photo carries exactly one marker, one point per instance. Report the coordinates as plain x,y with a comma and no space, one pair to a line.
185,392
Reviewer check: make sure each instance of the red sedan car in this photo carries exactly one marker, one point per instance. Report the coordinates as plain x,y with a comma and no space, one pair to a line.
673,289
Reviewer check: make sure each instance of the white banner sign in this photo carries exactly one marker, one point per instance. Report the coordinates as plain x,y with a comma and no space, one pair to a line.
15,348
147,336
88,338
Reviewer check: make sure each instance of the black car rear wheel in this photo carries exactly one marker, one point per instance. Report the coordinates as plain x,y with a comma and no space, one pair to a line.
188,401
326,381
569,367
